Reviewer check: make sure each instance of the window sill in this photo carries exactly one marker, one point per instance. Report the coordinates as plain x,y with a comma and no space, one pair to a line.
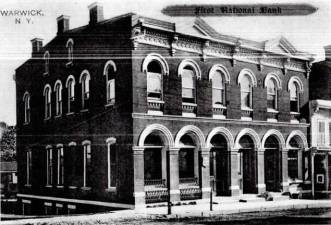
45,74
70,113
47,119
60,186
272,111
86,188
83,110
25,124
58,116
72,187
246,109
48,186
294,113
110,189
27,185
218,106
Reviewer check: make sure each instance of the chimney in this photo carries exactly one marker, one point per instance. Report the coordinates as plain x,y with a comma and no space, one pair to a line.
62,24
96,13
37,44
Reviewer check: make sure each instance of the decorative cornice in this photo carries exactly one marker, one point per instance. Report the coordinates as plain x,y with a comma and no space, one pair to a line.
213,48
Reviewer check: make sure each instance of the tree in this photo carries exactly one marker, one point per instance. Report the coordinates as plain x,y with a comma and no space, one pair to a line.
8,144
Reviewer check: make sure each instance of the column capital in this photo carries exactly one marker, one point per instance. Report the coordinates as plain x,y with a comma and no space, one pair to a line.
260,150
284,150
174,149
205,149
137,150
234,150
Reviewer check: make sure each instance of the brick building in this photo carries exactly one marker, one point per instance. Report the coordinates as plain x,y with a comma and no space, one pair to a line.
120,111
320,139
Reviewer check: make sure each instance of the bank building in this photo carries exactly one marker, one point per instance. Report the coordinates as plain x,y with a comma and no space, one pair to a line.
124,112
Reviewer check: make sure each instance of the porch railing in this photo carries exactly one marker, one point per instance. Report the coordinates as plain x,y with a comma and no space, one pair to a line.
189,181
155,182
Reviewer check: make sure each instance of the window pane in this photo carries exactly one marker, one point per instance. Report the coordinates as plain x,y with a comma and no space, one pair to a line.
218,96
271,101
154,83
271,87
111,89
321,133
218,80
188,79
245,99
293,164
293,91
294,106
245,83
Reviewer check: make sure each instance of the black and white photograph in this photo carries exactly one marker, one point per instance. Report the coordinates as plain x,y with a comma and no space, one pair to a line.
165,112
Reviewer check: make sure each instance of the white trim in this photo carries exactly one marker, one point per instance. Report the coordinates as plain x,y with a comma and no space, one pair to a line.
297,133
156,127
250,132
260,185
174,192
274,76
206,189
47,204
155,57
193,64
71,206
248,72
78,201
277,134
70,77
87,75
50,89
139,194
219,67
26,201
58,205
111,140
191,129
285,184
72,143
109,63
86,142
297,80
70,40
224,132
234,187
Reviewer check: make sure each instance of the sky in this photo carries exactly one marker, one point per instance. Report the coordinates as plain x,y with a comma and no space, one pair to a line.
307,33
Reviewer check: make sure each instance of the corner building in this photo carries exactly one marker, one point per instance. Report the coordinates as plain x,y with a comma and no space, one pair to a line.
121,112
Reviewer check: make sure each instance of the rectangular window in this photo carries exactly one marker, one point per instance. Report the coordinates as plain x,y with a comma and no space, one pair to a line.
28,166
111,91
87,166
154,85
111,165
71,209
49,166
218,96
245,99
188,86
59,209
26,207
330,138
60,166
321,133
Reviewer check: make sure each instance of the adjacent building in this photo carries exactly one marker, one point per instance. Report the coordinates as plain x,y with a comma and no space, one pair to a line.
320,110
124,111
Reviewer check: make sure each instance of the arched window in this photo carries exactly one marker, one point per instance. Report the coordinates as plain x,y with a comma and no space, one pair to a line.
46,61
26,100
58,98
71,92
109,72
85,81
47,96
246,91
294,97
218,85
87,163
154,81
188,85
70,47
271,94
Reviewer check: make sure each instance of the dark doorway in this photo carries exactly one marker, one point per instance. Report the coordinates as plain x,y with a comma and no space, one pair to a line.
247,172
220,165
272,165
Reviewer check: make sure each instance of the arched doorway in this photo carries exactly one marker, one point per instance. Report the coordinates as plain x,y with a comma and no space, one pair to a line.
219,165
247,165
155,168
272,164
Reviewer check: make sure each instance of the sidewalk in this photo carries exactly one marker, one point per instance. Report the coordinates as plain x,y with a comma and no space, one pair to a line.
199,210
